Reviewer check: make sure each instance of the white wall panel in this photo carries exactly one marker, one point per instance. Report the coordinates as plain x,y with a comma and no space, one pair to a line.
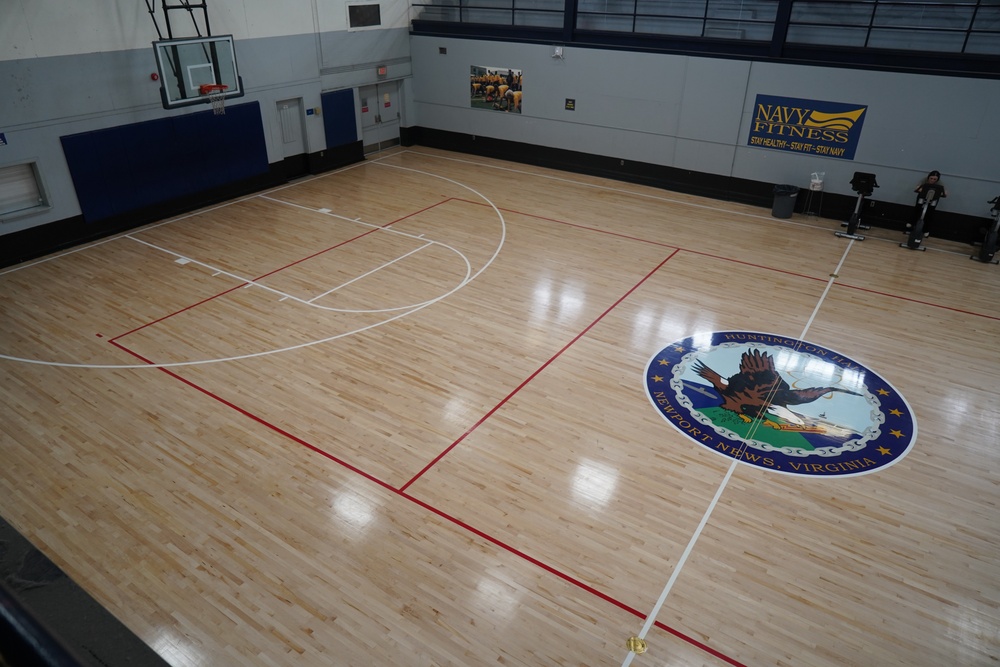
248,19
694,113
333,13
45,28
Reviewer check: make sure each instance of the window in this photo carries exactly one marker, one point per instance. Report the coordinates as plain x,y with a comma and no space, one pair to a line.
751,20
20,191
956,26
938,36
524,13
364,16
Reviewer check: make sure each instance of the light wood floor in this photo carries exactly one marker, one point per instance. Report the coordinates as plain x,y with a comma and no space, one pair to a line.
395,415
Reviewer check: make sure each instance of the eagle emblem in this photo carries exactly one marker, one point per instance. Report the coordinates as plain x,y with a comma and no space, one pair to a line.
758,391
790,406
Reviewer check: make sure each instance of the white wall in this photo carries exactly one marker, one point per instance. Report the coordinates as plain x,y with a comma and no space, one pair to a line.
70,66
76,65
694,113
46,28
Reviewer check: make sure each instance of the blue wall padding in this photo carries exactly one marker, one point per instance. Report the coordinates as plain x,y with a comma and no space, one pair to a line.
339,120
130,167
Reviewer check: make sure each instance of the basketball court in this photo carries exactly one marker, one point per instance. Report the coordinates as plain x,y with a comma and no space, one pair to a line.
406,413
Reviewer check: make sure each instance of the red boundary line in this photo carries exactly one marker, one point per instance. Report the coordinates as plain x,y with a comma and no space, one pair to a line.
922,303
286,266
402,490
533,375
569,579
737,261
259,420
440,513
444,515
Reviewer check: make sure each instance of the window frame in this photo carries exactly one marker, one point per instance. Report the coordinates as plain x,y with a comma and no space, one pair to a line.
976,56
38,193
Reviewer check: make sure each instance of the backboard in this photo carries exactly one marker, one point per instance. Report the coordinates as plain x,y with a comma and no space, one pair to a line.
186,64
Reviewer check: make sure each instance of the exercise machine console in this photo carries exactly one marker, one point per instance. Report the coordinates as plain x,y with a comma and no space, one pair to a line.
927,198
988,248
864,184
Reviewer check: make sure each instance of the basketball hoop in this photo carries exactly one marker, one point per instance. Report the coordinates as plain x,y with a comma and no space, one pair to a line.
216,93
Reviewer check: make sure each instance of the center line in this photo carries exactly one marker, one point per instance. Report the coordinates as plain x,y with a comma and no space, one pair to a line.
651,619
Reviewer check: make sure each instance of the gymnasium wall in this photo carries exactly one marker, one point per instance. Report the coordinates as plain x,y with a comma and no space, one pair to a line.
82,69
693,113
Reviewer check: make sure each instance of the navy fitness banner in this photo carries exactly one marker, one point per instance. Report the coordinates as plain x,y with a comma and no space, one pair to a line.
830,129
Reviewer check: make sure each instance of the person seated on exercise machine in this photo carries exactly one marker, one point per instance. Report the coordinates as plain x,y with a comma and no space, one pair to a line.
991,235
932,182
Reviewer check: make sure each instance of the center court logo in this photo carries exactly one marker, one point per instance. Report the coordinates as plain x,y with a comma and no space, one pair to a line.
781,404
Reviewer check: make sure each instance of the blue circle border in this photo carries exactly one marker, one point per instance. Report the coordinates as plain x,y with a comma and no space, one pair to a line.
895,438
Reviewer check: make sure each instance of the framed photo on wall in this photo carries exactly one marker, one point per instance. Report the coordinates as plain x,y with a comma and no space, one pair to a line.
495,88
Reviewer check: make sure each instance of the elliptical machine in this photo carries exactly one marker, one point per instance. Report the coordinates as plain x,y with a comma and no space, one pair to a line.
864,184
988,248
927,197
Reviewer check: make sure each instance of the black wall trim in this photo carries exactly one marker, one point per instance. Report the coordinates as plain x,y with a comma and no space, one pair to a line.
668,178
334,158
952,226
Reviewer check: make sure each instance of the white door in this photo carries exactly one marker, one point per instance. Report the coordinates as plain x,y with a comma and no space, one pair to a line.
379,115
292,135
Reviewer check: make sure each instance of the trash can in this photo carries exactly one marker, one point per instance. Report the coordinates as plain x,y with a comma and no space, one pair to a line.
784,201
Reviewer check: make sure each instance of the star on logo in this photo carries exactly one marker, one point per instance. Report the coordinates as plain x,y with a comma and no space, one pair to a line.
657,378
664,362
898,434
895,413
883,451
883,392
